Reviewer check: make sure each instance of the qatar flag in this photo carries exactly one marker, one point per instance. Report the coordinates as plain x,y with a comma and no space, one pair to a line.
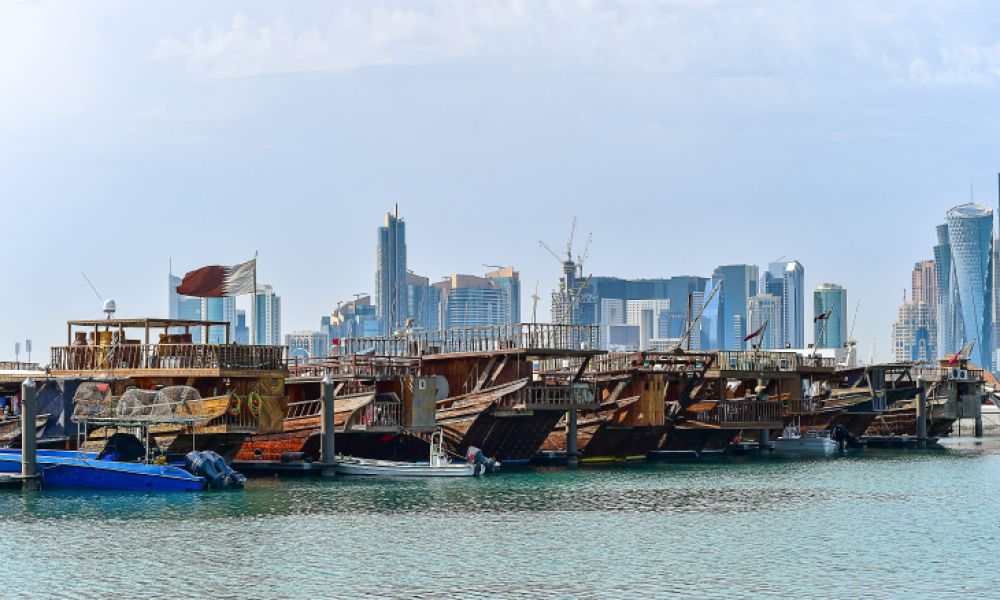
216,281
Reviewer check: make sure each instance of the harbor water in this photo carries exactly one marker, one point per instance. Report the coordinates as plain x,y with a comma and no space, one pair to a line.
873,524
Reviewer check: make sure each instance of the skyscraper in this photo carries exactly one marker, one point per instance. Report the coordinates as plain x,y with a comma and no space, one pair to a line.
471,301
911,333
241,334
509,282
925,283
218,309
739,284
945,314
830,332
793,309
765,308
268,326
423,303
970,235
390,273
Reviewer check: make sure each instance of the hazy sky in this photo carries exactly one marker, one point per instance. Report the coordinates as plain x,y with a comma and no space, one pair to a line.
683,134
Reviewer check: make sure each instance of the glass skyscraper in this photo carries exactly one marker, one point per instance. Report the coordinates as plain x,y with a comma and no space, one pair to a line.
970,236
830,332
739,284
390,273
945,317
793,310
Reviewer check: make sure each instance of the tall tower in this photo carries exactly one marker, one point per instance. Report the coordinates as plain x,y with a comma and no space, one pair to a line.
793,305
970,233
832,331
390,273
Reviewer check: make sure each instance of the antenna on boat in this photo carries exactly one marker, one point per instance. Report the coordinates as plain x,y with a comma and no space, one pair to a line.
96,293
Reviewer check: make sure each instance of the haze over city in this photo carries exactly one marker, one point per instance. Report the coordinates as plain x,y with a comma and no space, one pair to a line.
130,137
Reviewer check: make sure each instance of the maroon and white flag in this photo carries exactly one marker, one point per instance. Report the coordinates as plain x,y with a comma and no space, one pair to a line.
823,316
756,333
962,351
216,281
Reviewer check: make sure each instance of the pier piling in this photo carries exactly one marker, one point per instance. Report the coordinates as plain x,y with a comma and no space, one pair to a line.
327,447
29,445
572,451
765,441
979,426
921,413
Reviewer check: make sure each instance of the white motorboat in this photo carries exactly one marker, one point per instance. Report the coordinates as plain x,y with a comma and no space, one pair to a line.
439,465
812,443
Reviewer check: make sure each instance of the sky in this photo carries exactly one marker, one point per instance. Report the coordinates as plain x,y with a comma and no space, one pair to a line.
682,134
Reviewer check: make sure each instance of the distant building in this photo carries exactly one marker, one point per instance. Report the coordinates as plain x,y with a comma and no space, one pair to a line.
183,308
241,334
307,344
219,309
911,333
739,284
423,303
201,309
793,311
765,308
970,235
832,331
353,319
509,282
946,300
925,288
390,273
471,301
267,331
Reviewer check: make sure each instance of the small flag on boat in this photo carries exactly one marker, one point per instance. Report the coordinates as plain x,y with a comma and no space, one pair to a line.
216,281
823,316
960,353
335,342
757,333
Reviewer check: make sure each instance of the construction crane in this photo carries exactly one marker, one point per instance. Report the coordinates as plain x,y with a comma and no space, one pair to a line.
534,304
582,257
551,251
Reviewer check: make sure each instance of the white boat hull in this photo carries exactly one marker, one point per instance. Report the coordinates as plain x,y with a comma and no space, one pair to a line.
388,468
805,446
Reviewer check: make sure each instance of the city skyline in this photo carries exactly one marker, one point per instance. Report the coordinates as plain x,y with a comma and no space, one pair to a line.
679,157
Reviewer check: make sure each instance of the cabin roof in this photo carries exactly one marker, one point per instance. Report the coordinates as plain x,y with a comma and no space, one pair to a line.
145,322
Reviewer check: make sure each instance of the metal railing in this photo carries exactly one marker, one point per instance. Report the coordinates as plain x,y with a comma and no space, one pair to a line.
553,397
746,413
376,416
169,356
740,360
948,373
357,365
523,336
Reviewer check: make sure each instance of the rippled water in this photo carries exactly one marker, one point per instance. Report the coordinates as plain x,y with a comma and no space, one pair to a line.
891,524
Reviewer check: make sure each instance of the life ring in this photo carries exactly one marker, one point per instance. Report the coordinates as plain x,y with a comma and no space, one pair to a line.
253,403
234,405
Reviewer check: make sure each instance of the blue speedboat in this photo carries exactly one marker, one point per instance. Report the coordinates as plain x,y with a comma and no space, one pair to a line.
60,468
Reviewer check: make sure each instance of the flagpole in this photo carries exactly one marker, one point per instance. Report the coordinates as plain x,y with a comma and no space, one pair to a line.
253,304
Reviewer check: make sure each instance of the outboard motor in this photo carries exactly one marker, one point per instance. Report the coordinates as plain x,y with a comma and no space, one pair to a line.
475,455
214,469
843,436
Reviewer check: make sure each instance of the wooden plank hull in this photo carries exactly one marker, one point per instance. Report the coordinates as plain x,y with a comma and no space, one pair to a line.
507,438
604,441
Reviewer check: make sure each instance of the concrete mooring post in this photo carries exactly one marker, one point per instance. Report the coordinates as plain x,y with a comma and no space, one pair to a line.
572,451
921,412
327,447
29,445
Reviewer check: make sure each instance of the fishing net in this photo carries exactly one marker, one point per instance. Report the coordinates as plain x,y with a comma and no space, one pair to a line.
162,405
92,400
